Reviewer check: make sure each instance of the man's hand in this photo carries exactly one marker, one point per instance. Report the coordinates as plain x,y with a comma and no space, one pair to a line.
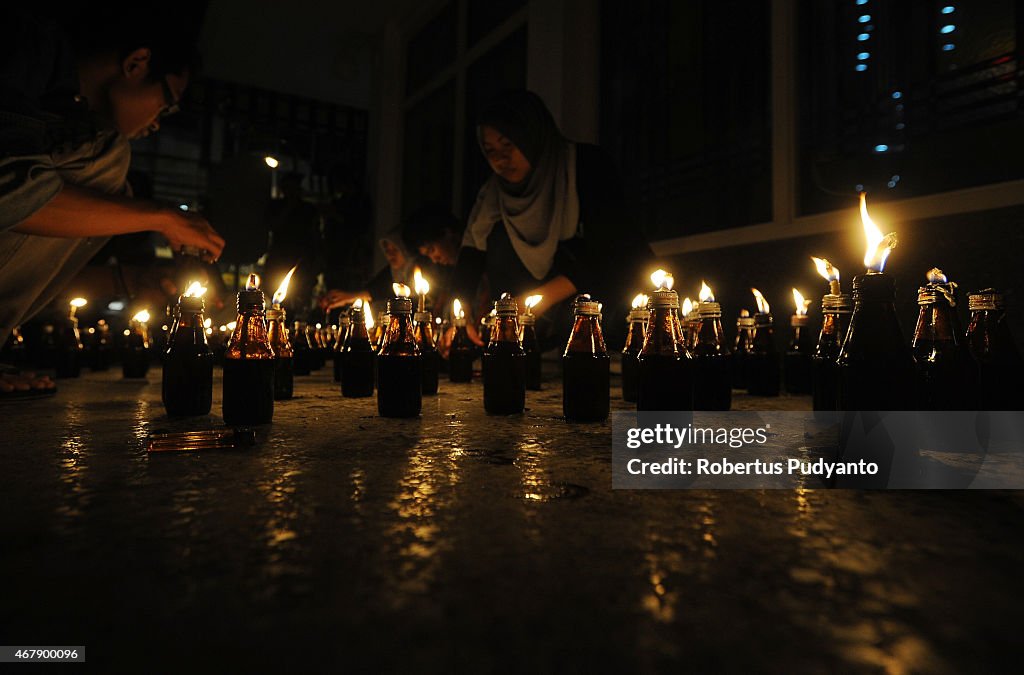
338,298
191,229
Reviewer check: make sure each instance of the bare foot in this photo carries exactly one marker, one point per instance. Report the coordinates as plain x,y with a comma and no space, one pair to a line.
24,382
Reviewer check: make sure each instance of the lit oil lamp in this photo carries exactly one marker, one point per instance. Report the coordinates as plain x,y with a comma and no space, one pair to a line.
357,357
686,317
187,383
999,362
634,343
399,362
462,352
504,362
69,343
423,327
249,362
742,350
528,338
585,366
712,388
947,377
280,342
797,362
765,361
665,364
836,308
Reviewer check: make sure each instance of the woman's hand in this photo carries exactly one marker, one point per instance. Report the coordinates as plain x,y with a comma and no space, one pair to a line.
553,292
191,229
336,298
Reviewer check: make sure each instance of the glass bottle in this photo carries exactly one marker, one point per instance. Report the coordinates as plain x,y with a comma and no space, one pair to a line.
946,376
187,385
835,310
430,359
504,362
528,338
712,387
665,379
399,364
797,362
249,363
999,363
135,360
586,371
634,343
876,368
461,354
302,350
344,323
765,362
99,351
69,349
284,357
383,321
743,350
357,359
14,351
317,360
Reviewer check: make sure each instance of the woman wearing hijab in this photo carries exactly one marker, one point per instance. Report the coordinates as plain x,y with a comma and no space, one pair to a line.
550,221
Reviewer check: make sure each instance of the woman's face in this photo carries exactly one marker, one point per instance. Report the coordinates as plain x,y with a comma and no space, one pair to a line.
504,156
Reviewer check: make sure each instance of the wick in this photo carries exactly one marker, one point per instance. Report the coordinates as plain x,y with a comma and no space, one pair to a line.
833,287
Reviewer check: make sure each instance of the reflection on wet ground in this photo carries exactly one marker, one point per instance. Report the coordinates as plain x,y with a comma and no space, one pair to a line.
466,542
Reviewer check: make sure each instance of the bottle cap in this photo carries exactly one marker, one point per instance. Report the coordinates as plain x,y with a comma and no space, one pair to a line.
761,319
637,315
745,322
837,304
527,319
276,313
191,304
422,317
506,305
798,320
250,300
663,298
708,309
400,305
879,287
584,306
985,299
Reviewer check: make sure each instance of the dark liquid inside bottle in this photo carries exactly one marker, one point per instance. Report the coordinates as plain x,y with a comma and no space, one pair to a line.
69,362
999,363
946,376
797,362
357,371
248,391
135,361
284,382
630,365
504,379
765,363
586,381
824,369
400,385
741,354
461,356
99,357
666,383
712,365
531,347
187,385
430,362
303,357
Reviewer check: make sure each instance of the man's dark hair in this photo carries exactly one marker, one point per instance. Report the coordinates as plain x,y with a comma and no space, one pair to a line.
428,224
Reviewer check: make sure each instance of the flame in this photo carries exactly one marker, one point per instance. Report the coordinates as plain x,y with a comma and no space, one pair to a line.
762,305
827,270
141,317
401,290
706,294
368,315
662,279
640,301
532,300
801,304
282,290
687,307
358,304
878,245
936,276
253,283
421,285
194,290
457,309
78,303
744,313
437,320
209,322
271,161
232,325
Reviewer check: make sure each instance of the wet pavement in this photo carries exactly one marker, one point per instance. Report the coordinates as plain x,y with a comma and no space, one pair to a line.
462,542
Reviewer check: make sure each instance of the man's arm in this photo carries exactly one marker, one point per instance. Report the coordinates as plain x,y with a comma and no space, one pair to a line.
78,211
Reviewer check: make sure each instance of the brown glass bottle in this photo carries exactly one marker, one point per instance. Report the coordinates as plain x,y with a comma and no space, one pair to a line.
712,386
797,362
187,385
743,350
998,361
876,369
99,350
302,351
765,362
135,359
531,346
357,359
284,357
399,366
249,363
504,362
461,354
344,324
946,376
586,372
835,322
630,352
430,359
665,379
317,359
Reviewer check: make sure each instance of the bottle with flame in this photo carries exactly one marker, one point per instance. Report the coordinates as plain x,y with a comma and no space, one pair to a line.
99,349
462,352
836,308
946,376
187,385
586,373
531,345
743,350
797,361
665,365
999,363
344,325
423,322
634,343
277,333
504,361
317,355
303,352
69,340
357,355
399,367
876,369
135,360
249,362
712,386
765,373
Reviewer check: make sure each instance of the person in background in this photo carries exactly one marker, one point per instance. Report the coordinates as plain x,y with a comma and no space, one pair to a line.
552,220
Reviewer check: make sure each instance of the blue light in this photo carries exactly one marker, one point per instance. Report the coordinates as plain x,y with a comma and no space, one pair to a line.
900,126
859,187
864,18
863,56
881,147
860,67
891,184
895,178
947,29
864,36
948,47
948,9
897,94
862,2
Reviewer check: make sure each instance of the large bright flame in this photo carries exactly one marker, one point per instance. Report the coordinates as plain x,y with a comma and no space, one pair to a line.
878,245
706,294
800,303
640,301
687,307
827,270
762,305
421,285
78,303
457,311
662,279
194,290
282,290
208,322
368,315
253,282
141,317
232,325
532,300
936,276
401,290
271,161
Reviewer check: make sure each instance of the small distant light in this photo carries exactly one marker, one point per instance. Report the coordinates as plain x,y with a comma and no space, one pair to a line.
881,147
164,327
897,94
947,29
860,67
116,306
183,207
948,47
271,161
895,178
948,9
891,184
864,18
899,107
92,331
864,37
862,2
859,187
127,332
863,56
900,126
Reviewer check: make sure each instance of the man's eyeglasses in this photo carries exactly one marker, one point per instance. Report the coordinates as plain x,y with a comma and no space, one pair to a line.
171,104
